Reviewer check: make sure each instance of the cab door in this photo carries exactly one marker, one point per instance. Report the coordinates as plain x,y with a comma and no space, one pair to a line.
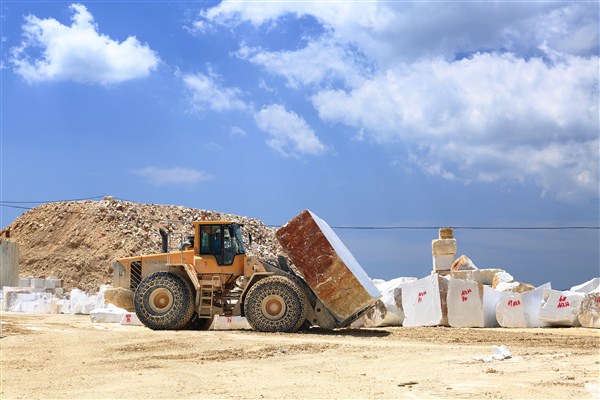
218,249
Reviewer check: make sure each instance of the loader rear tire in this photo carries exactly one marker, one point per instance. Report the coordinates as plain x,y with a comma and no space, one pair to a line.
199,324
163,301
276,304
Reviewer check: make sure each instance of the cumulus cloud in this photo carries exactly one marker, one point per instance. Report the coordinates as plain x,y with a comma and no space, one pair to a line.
487,118
208,93
52,51
172,176
319,61
389,32
473,91
289,133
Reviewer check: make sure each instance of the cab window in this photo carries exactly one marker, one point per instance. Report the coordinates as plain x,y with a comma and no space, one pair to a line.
211,241
222,241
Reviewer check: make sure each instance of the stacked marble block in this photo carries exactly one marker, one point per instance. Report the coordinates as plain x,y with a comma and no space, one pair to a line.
443,251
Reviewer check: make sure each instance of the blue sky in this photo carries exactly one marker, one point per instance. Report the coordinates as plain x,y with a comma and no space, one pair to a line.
367,113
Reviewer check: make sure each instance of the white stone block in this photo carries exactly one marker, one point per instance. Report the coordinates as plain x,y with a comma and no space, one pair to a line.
388,310
65,308
38,306
587,287
56,305
465,304
9,294
24,282
79,302
532,301
130,318
424,302
443,262
521,310
501,277
560,308
52,283
37,282
110,314
443,246
589,310
491,299
224,323
483,276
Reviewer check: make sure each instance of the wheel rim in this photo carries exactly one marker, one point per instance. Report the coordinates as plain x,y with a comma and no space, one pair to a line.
160,300
273,307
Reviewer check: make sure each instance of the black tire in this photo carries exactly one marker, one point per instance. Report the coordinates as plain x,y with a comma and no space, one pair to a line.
199,324
276,304
163,301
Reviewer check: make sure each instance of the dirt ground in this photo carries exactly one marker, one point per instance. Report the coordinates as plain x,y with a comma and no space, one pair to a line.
64,356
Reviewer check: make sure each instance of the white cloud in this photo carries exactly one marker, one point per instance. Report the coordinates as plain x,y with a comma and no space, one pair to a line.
237,131
389,32
319,61
289,133
207,92
474,91
79,52
487,118
172,176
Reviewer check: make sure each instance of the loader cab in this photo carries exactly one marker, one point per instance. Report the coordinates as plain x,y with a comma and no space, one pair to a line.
221,239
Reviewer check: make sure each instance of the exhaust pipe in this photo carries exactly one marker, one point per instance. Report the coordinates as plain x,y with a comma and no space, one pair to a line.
165,240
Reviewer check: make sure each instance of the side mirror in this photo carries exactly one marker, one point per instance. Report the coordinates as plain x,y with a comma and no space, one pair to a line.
249,239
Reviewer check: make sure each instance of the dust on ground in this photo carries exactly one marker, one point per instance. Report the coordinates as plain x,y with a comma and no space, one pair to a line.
64,356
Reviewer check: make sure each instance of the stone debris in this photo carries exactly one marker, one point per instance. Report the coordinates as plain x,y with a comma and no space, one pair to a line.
78,241
500,353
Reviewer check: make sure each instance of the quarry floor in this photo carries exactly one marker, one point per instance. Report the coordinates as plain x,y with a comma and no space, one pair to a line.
64,356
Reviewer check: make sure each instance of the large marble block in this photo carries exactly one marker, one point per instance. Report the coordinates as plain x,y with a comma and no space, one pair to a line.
327,266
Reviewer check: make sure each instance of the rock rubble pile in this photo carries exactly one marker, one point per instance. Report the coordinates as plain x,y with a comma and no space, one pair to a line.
78,241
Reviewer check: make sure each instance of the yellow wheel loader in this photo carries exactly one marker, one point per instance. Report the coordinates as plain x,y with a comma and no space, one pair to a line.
211,275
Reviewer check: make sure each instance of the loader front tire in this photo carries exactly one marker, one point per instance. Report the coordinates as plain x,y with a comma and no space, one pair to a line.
276,304
163,301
